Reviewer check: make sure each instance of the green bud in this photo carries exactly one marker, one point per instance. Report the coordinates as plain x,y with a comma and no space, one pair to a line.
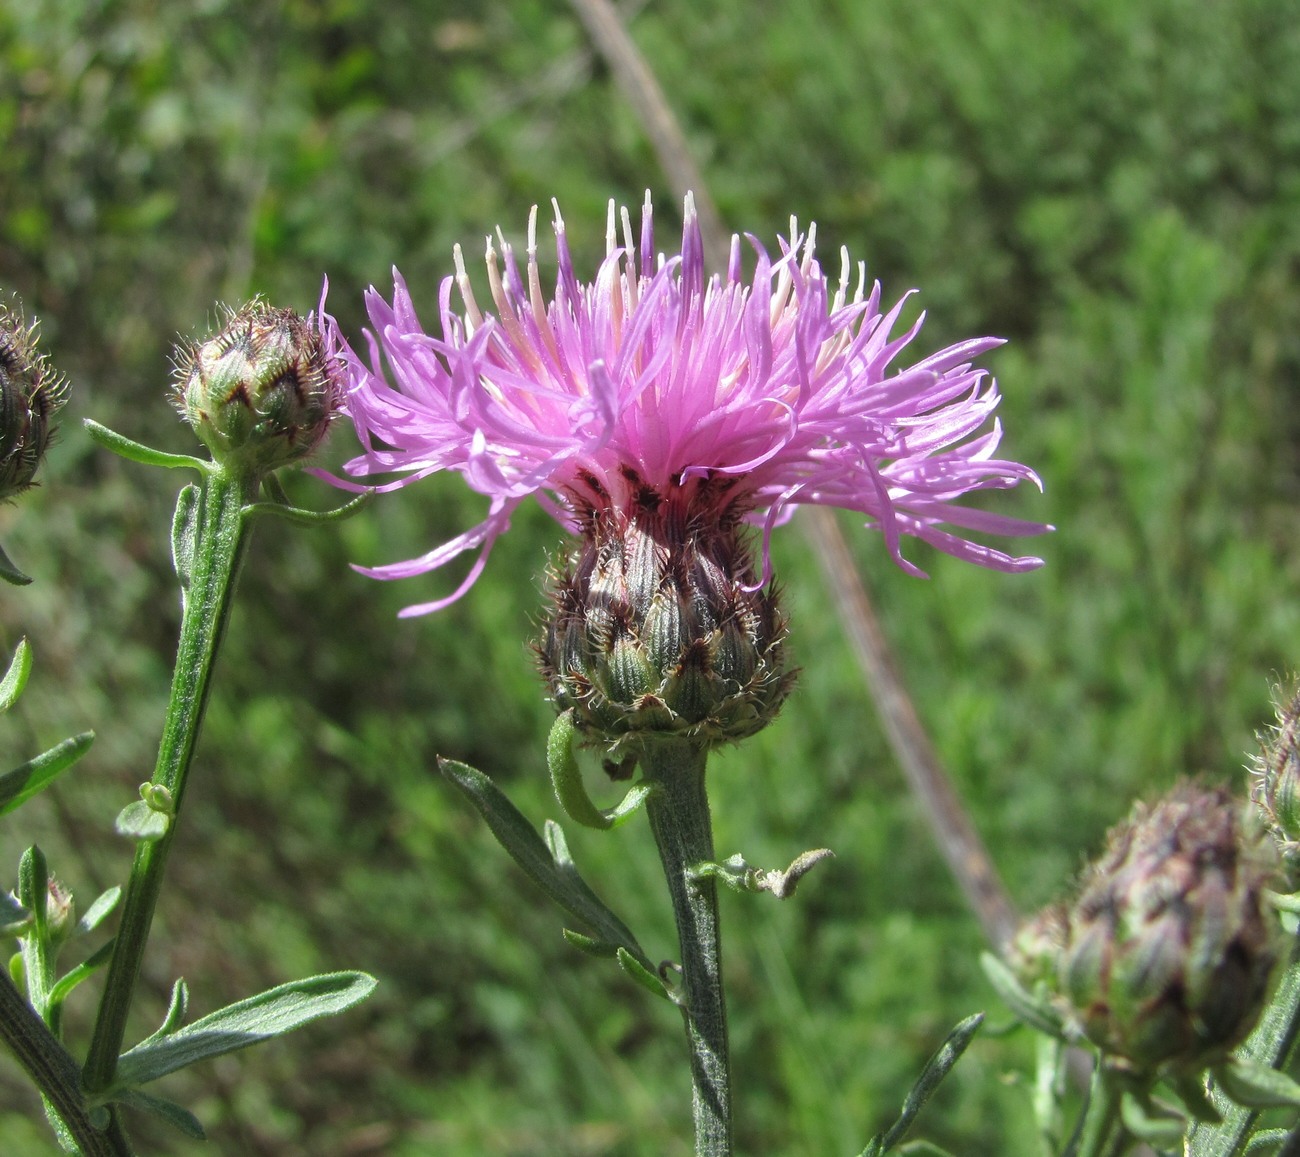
653,632
260,393
1170,946
31,393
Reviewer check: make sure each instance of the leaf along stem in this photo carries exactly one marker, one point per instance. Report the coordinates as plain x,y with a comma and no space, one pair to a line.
678,807
219,551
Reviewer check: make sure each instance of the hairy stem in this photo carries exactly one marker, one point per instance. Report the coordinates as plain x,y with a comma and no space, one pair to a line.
219,547
53,1071
678,807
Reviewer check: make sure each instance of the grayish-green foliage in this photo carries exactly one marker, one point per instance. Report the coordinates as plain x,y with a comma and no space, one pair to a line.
1114,186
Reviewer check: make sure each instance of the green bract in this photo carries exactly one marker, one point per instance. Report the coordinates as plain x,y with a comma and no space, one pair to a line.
31,393
262,391
1169,947
657,630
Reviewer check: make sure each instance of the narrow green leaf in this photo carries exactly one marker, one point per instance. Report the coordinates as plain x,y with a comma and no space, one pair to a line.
15,678
87,968
1256,1086
103,904
938,1067
303,517
13,916
644,977
550,867
185,532
590,945
19,785
1035,1012
571,791
928,1148
1265,1141
1163,1130
169,1111
566,776
177,1007
145,455
10,573
269,1014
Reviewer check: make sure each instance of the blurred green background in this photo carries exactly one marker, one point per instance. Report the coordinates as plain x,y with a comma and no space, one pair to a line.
1114,186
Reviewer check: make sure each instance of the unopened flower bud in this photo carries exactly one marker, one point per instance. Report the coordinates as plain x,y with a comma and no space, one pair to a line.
1276,790
60,913
659,629
261,392
1170,945
31,393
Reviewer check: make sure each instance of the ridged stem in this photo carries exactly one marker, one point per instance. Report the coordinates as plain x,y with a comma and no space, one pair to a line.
678,808
53,1072
219,548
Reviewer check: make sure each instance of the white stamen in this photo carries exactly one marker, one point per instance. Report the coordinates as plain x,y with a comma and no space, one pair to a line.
631,286
472,312
841,294
536,299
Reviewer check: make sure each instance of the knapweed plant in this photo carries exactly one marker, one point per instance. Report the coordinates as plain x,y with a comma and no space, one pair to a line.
658,413
670,421
260,394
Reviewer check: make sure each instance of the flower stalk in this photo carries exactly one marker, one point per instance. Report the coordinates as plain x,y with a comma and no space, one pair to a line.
219,549
678,808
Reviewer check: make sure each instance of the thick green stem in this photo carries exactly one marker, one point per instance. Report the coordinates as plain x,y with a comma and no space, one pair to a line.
53,1071
678,807
219,546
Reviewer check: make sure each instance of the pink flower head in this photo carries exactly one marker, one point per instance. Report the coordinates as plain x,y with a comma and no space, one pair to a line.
761,393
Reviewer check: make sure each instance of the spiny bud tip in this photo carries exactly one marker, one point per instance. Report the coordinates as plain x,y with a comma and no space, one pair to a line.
31,393
261,392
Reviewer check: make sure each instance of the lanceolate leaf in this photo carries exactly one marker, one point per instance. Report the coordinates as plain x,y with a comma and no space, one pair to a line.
169,1111
145,455
297,514
269,1014
185,531
938,1067
566,779
13,916
15,679
10,573
19,785
1034,1012
103,904
546,861
1256,1086
88,967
